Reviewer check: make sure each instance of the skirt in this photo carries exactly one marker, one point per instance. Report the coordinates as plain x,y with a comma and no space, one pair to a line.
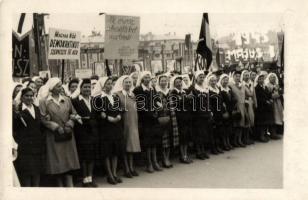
202,131
151,135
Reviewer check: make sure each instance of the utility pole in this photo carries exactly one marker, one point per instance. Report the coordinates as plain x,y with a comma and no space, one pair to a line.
39,32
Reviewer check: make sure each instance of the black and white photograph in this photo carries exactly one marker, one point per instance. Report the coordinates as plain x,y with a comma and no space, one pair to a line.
122,99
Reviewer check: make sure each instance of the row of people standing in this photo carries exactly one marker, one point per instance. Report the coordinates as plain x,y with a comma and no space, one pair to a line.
119,119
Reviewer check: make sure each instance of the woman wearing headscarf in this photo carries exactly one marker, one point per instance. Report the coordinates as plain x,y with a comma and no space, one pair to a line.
164,118
215,102
134,76
58,116
180,103
85,131
110,127
149,127
38,82
250,106
238,112
27,134
227,107
186,81
272,84
264,111
130,120
201,116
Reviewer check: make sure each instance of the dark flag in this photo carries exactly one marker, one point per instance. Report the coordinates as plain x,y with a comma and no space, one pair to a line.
21,22
204,47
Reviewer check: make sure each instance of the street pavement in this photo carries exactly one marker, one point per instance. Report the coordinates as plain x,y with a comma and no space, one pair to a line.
256,166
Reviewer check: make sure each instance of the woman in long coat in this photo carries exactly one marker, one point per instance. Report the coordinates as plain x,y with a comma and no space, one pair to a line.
238,96
167,120
108,114
227,107
201,117
215,100
85,131
27,133
149,127
250,106
130,120
181,104
264,112
58,116
272,84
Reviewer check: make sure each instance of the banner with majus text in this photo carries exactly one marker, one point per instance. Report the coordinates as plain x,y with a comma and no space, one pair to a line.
63,44
121,37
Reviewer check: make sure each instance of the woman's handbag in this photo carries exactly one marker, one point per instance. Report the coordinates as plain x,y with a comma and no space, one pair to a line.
236,114
225,115
164,120
66,136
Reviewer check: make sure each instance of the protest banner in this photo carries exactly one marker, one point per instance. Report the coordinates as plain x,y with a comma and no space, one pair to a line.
83,73
21,55
170,65
63,44
121,37
156,66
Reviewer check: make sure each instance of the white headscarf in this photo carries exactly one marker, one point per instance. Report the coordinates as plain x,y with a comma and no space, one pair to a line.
35,78
141,76
242,75
267,81
198,73
45,89
99,86
158,88
207,79
213,89
221,78
185,86
198,87
118,86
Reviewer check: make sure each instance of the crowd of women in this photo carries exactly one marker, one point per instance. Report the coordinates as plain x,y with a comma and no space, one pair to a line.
60,128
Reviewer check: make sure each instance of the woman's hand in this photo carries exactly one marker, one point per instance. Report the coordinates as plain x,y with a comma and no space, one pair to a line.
67,129
60,130
103,115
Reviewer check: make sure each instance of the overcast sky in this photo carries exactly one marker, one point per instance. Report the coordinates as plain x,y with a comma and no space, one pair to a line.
220,24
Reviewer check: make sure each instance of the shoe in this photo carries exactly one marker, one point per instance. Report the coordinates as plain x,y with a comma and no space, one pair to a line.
157,167
241,144
200,156
134,173
85,184
219,150
118,179
214,151
275,137
189,159
184,160
150,169
128,175
206,156
92,184
111,181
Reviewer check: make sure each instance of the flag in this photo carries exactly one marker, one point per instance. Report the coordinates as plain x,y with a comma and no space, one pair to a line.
204,47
